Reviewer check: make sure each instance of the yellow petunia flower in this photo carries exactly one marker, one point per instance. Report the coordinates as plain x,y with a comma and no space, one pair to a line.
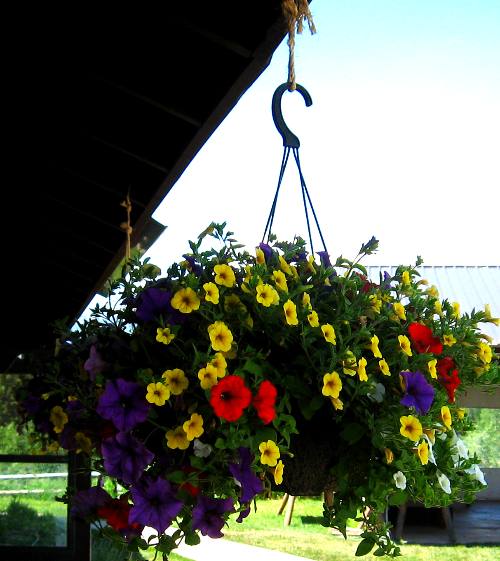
375,303
193,427
260,258
267,295
329,333
449,340
163,335
211,292
306,301
389,455
290,313
337,403
410,427
405,278
485,353
488,316
431,365
461,412
284,266
58,418
207,376
374,341
431,435
423,452
224,275
349,364
220,364
446,417
270,453
157,393
220,336
185,300
433,292
399,310
363,377
177,439
438,309
280,280
278,473
313,319
384,367
175,380
83,442
332,384
456,309
404,344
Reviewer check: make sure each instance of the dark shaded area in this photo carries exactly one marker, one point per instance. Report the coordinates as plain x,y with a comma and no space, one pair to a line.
99,103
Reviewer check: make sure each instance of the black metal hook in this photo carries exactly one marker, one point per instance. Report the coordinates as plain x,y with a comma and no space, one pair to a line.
289,139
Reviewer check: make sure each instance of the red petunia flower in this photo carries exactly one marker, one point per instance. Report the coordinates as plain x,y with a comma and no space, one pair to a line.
229,397
116,512
193,490
264,401
423,339
448,376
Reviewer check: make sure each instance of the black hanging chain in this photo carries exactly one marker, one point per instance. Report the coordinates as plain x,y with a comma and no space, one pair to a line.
291,144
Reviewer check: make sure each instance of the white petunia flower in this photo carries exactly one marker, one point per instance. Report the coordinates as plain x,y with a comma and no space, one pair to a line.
400,480
201,450
444,482
477,473
432,459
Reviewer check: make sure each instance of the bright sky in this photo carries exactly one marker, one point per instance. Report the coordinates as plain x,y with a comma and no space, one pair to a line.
402,140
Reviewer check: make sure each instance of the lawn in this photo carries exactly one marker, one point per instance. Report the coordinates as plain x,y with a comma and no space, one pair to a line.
307,538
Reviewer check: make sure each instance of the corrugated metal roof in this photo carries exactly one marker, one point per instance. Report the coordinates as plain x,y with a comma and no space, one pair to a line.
471,286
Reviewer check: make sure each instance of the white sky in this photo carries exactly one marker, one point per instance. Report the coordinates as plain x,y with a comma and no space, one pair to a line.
402,140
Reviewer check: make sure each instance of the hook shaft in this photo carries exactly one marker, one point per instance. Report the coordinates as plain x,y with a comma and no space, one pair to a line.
289,139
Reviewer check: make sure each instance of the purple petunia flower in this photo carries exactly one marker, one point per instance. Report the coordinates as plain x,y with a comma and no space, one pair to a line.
267,250
125,457
87,502
208,515
419,393
123,403
155,504
324,258
243,514
194,267
153,302
94,364
251,485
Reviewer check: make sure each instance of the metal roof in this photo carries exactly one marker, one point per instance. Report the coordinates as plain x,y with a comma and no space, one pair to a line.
471,286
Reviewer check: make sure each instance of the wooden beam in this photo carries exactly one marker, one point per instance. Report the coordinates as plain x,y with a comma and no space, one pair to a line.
485,397
145,99
128,153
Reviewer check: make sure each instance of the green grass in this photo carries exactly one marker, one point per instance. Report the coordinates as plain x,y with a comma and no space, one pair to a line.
307,538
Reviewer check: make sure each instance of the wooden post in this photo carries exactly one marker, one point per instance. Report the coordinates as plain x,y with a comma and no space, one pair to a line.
283,503
289,510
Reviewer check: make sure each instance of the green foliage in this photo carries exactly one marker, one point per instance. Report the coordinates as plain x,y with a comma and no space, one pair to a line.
21,525
484,440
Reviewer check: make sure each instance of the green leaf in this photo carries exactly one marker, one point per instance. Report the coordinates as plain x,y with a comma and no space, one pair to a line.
364,547
310,407
352,432
398,498
379,552
192,538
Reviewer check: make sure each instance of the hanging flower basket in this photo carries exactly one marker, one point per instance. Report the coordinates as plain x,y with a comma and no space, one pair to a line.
193,392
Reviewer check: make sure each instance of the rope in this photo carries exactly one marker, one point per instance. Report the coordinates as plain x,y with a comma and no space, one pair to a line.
126,226
295,12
